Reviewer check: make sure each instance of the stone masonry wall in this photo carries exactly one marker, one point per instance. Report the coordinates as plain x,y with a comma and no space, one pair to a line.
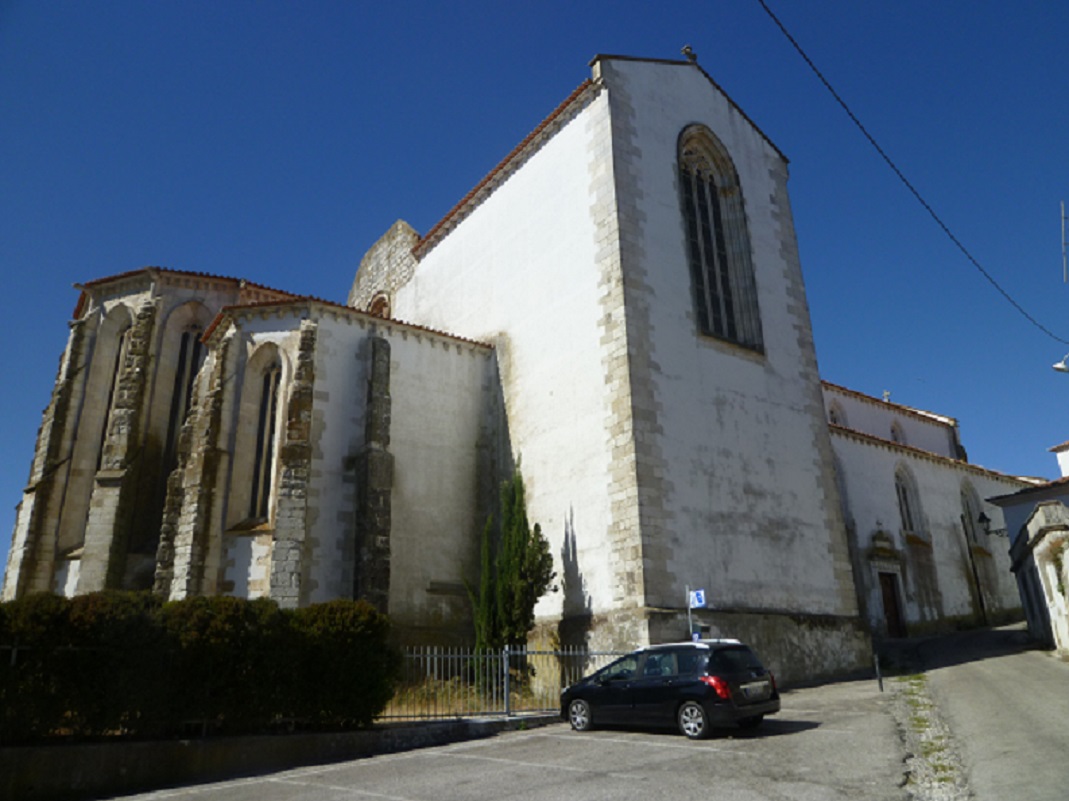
32,553
287,556
374,483
107,530
192,487
388,265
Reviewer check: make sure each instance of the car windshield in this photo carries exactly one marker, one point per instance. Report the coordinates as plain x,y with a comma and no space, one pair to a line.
733,659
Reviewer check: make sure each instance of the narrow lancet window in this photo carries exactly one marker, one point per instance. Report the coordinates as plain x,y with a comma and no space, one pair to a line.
263,467
190,356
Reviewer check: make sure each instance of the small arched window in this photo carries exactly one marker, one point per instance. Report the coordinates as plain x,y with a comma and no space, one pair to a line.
836,415
718,242
897,433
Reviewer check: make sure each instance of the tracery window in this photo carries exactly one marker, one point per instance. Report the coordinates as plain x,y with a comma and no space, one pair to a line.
264,458
718,242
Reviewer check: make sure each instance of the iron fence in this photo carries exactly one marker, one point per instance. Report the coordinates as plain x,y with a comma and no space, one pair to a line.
454,683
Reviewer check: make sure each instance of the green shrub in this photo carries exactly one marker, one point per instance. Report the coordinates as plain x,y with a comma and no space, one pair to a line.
115,663
349,671
36,673
225,651
120,657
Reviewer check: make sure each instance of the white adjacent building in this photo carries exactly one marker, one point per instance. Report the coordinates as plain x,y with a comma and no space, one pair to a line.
925,557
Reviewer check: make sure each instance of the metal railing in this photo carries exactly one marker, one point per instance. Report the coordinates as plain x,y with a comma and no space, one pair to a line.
453,683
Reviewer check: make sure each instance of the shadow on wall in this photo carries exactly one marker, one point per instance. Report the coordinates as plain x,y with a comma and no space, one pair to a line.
576,614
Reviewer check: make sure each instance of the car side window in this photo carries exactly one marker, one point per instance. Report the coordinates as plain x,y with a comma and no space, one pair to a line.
619,670
688,662
663,663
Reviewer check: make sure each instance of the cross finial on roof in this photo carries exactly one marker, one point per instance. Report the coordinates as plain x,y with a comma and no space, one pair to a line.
690,54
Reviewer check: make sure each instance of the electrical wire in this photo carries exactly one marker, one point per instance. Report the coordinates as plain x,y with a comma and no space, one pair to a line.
905,181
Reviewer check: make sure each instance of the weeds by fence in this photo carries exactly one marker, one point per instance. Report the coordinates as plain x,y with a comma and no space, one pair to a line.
453,683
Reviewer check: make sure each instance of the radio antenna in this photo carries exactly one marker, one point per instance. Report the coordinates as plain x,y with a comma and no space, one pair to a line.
1065,273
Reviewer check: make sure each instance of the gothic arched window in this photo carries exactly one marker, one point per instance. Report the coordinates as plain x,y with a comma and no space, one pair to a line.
189,358
123,346
718,242
264,455
909,509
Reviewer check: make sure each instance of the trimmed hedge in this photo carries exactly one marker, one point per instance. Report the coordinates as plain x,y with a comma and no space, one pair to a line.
123,663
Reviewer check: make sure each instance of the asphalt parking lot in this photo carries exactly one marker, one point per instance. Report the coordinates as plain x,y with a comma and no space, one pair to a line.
832,742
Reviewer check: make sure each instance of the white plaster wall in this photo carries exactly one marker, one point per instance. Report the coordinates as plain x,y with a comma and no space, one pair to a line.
1063,462
744,475
520,272
875,417
437,388
437,392
868,471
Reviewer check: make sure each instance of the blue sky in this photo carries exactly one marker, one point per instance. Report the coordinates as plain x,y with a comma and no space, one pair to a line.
276,141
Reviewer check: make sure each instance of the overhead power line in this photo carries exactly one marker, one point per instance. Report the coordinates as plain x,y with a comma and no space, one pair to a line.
905,181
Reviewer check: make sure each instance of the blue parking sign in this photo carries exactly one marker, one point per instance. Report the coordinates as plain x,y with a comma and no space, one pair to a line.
697,599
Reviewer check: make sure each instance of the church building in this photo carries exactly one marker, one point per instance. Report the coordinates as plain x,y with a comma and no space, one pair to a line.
617,308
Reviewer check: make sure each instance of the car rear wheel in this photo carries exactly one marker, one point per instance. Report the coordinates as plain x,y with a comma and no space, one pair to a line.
579,715
692,721
751,723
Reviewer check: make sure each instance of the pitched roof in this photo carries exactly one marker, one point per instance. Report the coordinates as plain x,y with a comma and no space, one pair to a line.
306,303
920,453
582,94
498,173
708,77
149,272
930,417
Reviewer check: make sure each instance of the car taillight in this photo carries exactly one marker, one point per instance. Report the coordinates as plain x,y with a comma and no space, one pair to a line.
772,679
720,687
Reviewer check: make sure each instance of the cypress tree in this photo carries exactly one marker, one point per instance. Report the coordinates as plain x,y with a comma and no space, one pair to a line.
512,579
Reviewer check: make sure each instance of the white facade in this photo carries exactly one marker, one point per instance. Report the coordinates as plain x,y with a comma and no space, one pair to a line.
1037,521
646,445
923,560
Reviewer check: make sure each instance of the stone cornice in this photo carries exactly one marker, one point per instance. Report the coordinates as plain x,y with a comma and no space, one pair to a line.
909,411
909,450
145,277
306,307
